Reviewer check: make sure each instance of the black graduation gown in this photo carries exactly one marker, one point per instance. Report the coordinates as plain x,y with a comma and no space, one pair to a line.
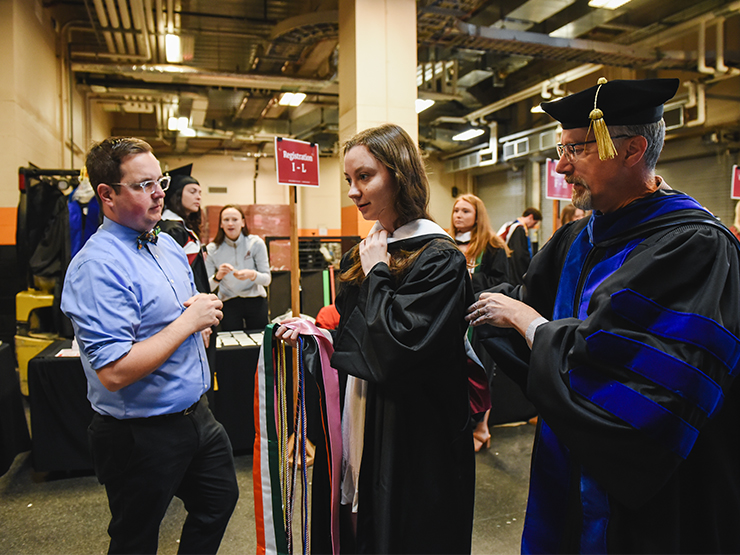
520,259
178,231
492,270
405,338
637,449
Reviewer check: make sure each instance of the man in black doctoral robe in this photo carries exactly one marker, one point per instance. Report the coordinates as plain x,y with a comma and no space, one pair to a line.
632,320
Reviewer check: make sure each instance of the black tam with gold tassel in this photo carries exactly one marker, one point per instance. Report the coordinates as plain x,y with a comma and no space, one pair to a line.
620,102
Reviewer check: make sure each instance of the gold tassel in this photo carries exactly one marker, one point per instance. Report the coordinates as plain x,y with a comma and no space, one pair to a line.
601,133
215,381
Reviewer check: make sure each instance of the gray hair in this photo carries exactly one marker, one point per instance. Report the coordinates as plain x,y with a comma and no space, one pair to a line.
654,133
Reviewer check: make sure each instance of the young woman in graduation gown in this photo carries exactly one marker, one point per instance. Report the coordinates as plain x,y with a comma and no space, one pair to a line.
487,257
181,219
401,342
485,252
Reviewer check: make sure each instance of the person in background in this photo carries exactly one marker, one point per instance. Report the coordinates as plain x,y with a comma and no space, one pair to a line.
487,257
401,341
238,266
182,217
138,319
570,213
632,321
516,235
485,252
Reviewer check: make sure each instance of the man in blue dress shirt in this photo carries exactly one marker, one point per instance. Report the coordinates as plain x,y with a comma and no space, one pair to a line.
138,320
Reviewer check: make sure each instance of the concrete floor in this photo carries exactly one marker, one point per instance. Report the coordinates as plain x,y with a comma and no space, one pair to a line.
45,514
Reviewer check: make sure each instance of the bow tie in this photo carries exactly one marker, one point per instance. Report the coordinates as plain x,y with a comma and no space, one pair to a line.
148,237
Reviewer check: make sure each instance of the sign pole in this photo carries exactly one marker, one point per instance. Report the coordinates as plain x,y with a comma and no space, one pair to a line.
296,163
295,278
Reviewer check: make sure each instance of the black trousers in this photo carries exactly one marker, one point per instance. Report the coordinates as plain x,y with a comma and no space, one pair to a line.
244,313
145,462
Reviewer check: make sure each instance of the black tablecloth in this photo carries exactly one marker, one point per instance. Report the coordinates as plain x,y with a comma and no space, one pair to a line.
234,398
61,413
14,436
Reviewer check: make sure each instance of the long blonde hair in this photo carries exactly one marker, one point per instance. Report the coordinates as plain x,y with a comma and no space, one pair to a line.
482,234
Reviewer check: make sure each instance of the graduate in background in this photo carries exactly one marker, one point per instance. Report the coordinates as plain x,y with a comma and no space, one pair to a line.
570,213
401,341
516,235
182,217
488,263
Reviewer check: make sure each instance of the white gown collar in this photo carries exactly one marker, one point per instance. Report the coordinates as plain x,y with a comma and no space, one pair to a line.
170,215
415,228
464,237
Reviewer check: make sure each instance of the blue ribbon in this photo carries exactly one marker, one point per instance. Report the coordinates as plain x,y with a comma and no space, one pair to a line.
694,329
596,513
635,409
661,368
548,489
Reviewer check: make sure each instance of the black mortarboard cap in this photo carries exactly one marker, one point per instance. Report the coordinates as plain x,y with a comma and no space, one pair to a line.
622,101
618,102
180,177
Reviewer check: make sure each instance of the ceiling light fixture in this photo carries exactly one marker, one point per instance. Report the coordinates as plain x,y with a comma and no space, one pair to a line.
172,123
469,134
422,104
291,99
607,4
173,49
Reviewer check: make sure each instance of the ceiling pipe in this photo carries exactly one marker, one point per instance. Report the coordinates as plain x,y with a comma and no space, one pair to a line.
653,41
697,98
112,23
534,90
151,27
139,23
123,9
115,23
160,26
719,64
545,93
103,18
701,55
184,75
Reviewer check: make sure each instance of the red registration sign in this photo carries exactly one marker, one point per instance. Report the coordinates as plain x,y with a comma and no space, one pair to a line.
735,182
297,162
557,188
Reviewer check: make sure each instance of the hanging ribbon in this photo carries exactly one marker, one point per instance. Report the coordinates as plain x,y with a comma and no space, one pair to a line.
273,474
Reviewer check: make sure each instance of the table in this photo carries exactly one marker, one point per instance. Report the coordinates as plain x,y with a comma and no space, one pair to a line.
61,413
14,436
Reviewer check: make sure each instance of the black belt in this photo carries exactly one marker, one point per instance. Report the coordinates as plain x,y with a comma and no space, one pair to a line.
190,409
187,411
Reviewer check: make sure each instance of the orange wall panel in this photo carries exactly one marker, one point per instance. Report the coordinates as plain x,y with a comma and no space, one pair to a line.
7,225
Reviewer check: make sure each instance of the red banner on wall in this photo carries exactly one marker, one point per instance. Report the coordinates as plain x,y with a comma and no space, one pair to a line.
735,182
557,188
297,162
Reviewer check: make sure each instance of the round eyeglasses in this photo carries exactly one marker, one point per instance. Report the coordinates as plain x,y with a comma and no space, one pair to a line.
573,151
149,186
